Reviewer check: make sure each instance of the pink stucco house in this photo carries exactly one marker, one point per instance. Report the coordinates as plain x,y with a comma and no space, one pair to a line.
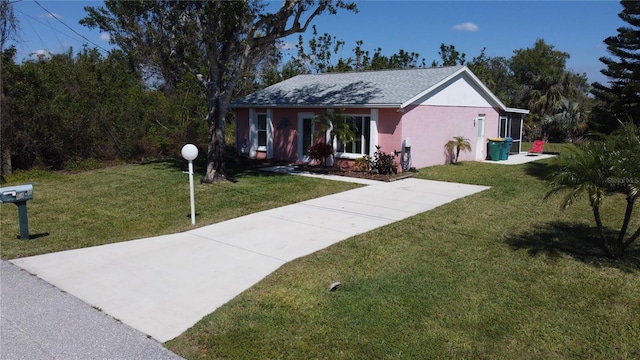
414,112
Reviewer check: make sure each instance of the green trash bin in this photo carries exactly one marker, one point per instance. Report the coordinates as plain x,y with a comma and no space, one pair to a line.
506,147
495,147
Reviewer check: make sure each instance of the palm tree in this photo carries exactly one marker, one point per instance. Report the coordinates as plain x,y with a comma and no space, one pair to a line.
598,169
336,125
569,118
548,92
459,143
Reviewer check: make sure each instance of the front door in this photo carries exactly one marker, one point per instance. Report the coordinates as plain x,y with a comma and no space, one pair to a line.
306,127
480,143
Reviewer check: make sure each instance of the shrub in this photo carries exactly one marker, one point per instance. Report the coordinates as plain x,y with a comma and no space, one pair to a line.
383,163
363,163
459,143
599,169
320,151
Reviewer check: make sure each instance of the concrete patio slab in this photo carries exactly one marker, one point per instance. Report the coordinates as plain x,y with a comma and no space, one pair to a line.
163,285
522,158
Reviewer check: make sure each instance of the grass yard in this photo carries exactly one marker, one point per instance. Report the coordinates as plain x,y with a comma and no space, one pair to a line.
128,202
501,274
548,147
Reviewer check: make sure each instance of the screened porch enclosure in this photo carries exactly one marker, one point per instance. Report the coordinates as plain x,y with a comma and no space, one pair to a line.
511,126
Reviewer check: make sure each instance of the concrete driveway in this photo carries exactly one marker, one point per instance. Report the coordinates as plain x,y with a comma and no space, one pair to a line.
163,285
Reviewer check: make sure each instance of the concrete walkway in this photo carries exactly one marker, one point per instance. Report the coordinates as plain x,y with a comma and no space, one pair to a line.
163,285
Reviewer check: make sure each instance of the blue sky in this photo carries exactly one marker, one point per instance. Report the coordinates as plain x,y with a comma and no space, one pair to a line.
575,27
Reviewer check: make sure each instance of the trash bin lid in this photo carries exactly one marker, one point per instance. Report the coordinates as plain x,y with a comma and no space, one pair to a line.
496,139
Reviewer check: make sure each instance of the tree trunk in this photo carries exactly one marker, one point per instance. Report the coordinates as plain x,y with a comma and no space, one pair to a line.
621,244
6,168
5,156
603,236
633,237
625,224
216,151
219,89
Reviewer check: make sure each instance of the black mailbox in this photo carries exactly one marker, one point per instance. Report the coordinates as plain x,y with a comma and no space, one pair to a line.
19,195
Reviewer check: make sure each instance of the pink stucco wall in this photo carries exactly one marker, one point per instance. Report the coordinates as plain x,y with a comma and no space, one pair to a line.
242,127
389,130
285,136
431,127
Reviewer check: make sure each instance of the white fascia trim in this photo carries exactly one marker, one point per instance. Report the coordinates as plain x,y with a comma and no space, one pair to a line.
373,130
312,106
269,147
253,133
517,111
350,156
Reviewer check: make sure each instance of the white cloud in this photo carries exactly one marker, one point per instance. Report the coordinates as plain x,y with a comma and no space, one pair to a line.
466,27
105,36
41,54
51,16
283,45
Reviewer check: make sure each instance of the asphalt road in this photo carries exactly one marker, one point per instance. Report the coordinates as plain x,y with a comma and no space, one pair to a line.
40,321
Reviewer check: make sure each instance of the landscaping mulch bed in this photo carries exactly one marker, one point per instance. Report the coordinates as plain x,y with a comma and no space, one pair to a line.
325,170
332,170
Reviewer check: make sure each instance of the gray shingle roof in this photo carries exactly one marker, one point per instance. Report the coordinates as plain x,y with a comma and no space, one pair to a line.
388,87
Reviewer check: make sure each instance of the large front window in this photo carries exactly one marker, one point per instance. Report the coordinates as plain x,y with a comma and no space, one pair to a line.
360,146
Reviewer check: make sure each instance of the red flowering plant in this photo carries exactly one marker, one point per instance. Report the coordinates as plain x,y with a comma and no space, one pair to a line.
320,151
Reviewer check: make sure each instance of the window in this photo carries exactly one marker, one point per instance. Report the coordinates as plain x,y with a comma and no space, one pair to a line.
361,143
480,125
516,121
504,131
510,125
262,130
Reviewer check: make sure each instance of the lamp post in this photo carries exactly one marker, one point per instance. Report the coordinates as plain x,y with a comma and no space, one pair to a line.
190,152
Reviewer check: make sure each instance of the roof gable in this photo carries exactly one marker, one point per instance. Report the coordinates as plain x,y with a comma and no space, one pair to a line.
458,90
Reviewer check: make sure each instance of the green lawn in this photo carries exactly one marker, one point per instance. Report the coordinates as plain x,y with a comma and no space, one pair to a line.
133,201
548,147
500,274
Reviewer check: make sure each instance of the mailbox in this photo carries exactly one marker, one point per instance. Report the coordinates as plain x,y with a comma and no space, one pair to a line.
14,194
19,196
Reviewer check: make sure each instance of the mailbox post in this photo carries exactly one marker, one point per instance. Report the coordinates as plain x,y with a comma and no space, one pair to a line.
190,152
19,195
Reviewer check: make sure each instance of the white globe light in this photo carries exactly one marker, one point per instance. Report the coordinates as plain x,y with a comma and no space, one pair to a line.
189,152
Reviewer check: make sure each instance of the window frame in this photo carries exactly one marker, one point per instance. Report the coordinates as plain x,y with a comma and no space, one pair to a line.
264,130
365,137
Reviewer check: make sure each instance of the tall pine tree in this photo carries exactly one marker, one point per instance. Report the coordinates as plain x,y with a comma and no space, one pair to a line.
620,99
